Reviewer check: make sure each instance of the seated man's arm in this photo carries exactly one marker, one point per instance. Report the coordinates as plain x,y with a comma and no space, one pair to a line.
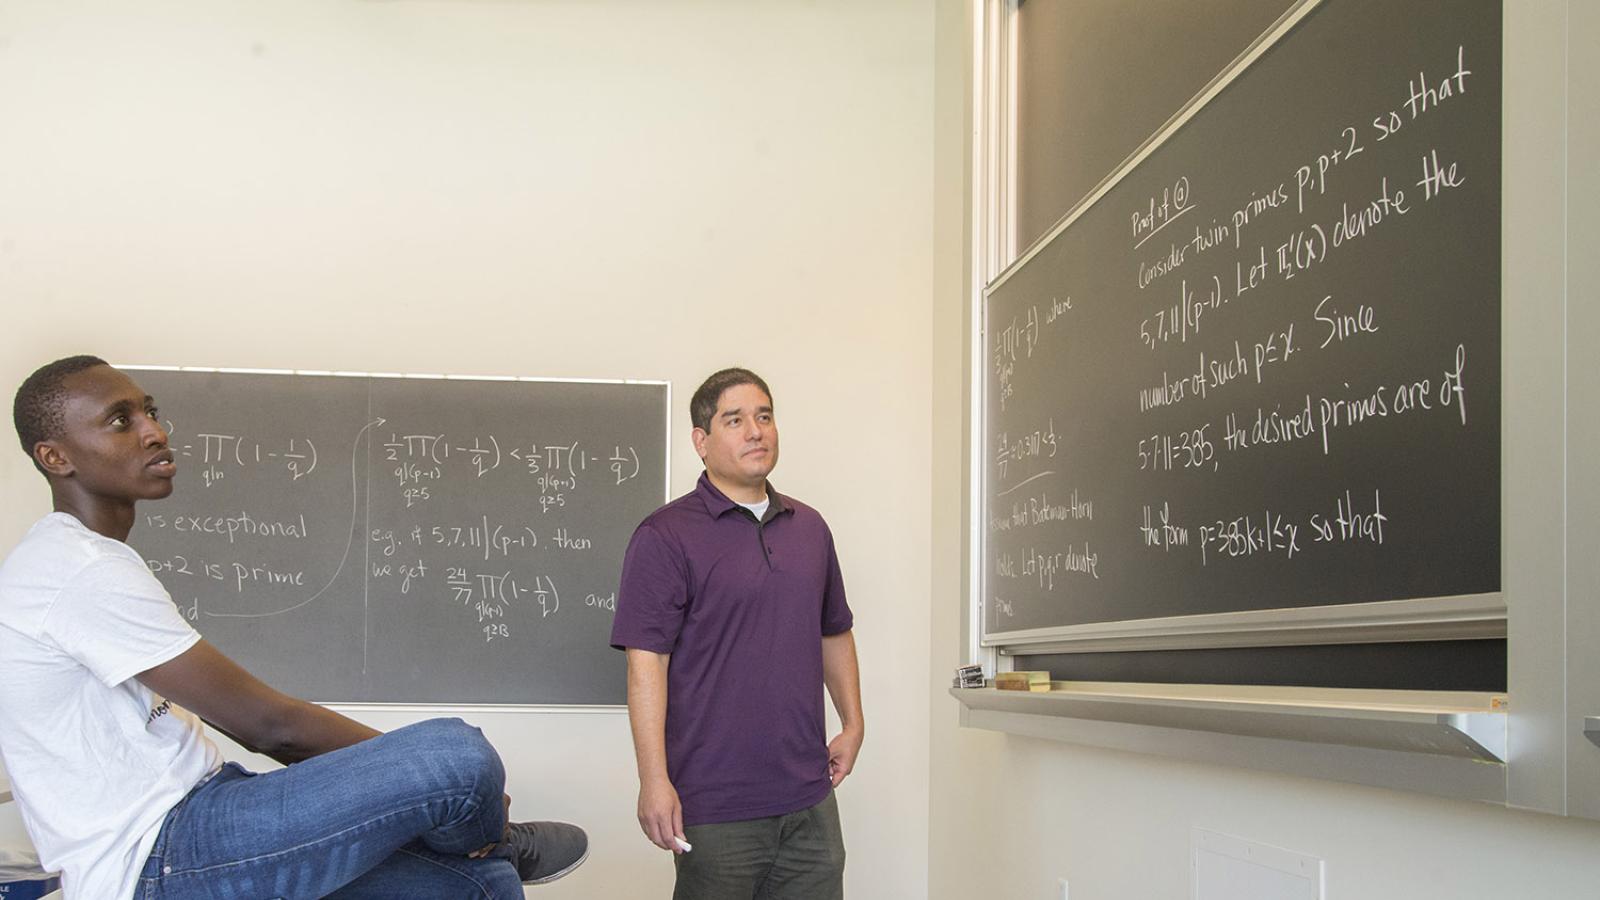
238,704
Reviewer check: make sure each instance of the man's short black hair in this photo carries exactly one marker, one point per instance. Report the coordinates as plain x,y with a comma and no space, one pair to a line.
37,409
703,405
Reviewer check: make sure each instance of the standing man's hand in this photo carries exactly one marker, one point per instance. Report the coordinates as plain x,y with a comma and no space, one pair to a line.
842,752
660,813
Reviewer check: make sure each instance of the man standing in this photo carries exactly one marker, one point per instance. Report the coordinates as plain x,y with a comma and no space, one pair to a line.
733,615
119,787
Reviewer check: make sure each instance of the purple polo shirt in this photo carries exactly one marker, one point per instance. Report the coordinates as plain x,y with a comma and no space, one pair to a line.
742,607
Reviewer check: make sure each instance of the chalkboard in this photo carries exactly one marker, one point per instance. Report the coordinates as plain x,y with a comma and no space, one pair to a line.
1260,369
403,539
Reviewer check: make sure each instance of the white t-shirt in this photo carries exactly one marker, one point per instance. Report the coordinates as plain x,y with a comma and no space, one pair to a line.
758,509
96,759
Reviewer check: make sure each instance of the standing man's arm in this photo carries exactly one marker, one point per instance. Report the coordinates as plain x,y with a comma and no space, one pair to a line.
842,675
660,813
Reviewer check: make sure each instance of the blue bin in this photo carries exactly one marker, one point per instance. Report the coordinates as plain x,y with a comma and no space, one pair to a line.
28,890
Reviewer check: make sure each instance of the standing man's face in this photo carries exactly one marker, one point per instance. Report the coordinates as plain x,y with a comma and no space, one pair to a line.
741,448
111,443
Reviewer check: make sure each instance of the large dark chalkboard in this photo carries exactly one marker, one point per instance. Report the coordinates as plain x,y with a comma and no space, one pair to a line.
1262,370
415,540
1074,124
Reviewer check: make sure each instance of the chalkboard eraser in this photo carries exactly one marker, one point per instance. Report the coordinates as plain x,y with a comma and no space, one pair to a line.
969,676
1022,681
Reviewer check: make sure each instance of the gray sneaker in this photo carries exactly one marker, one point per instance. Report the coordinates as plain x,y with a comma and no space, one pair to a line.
544,851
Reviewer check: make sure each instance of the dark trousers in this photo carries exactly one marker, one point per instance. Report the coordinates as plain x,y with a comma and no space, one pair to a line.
799,856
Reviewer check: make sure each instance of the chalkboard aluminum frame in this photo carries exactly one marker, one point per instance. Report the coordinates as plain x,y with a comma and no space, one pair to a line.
1460,617
428,708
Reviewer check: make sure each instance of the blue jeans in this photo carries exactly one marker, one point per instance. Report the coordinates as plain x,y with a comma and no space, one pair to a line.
391,817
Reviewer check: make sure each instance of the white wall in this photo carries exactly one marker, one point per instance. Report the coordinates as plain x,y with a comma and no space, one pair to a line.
1011,815
594,188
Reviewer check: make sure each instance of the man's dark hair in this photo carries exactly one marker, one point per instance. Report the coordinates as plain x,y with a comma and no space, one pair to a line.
37,409
703,405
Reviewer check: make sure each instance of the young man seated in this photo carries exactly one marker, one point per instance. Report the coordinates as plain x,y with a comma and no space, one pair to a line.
118,785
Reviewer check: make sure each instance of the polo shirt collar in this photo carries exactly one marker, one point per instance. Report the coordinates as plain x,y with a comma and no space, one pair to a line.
718,503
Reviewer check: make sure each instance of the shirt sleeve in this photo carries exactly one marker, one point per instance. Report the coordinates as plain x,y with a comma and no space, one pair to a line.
116,619
654,595
836,615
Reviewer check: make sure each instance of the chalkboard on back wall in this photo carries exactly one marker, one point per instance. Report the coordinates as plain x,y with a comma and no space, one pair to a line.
406,539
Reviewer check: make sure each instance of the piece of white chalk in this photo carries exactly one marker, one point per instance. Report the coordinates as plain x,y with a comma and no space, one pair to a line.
683,843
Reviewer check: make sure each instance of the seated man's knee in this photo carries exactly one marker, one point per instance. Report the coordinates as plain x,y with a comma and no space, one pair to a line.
463,747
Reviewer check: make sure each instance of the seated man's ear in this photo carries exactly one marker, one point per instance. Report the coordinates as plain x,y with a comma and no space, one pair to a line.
53,459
